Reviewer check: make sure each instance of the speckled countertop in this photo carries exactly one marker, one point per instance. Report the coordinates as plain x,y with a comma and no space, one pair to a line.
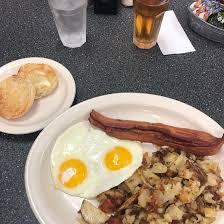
107,63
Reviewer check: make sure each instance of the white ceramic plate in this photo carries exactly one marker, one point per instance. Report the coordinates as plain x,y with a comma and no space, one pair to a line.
46,109
52,206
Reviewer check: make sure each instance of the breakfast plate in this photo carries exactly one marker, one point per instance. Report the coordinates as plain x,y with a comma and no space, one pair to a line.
43,110
53,206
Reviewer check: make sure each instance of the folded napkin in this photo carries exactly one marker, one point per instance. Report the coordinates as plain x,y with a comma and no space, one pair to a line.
172,39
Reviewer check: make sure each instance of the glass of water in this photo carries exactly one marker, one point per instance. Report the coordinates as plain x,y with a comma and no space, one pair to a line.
70,20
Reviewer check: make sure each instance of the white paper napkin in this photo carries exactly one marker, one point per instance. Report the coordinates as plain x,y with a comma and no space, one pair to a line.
172,39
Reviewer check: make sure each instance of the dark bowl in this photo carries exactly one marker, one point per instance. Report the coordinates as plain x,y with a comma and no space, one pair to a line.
205,29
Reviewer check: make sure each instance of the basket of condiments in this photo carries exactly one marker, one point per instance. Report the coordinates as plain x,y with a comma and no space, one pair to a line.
206,17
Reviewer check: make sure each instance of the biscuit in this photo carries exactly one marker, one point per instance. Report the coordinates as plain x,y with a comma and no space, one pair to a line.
42,76
16,97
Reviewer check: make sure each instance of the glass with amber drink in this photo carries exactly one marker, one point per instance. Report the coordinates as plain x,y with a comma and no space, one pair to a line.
148,16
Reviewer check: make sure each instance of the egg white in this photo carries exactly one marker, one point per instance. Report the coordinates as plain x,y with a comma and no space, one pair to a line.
88,144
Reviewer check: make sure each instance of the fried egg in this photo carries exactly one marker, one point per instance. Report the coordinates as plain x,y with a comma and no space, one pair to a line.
85,161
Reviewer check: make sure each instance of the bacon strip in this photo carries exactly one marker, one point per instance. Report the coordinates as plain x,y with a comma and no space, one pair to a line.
197,142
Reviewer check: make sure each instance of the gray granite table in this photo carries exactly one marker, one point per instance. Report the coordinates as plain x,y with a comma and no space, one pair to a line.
107,63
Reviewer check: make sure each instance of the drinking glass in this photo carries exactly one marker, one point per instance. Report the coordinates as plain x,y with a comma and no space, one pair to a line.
70,20
148,16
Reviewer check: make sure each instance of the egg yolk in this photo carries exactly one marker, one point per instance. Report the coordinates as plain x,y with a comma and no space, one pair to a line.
117,158
72,173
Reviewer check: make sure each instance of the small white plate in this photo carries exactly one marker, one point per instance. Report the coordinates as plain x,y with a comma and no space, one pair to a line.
53,206
46,109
